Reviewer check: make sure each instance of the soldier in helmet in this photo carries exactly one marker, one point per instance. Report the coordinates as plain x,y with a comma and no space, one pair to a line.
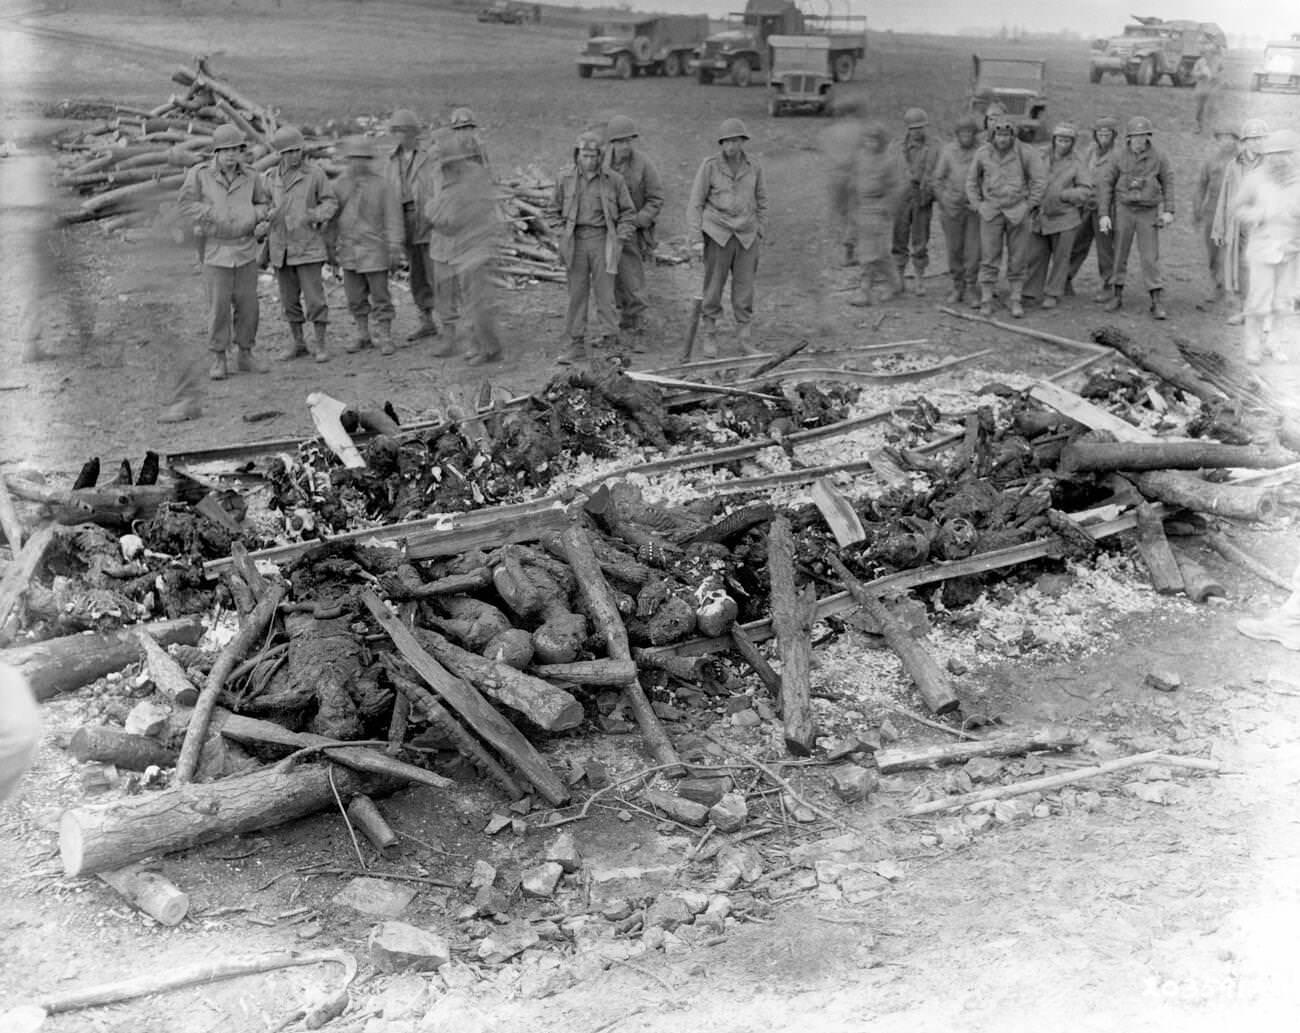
647,193
1140,185
371,234
410,170
1226,231
960,222
1065,196
879,183
918,154
228,202
597,214
1005,183
841,145
1105,131
1209,184
728,208
464,127
302,205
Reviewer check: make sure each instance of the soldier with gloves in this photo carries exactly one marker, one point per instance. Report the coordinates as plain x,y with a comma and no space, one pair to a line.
228,202
960,222
1140,184
1006,182
302,205
410,170
918,155
1227,231
597,214
1065,197
647,193
1105,131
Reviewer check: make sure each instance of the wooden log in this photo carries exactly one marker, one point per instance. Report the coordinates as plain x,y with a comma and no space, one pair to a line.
1172,371
839,514
792,616
63,664
453,584
109,745
598,603
684,668
151,892
1025,331
111,835
131,192
249,633
466,701
546,706
1082,411
1198,583
237,119
1217,541
590,672
365,815
1242,502
1154,549
692,328
930,681
693,385
748,649
18,574
1081,456
783,356
111,505
912,759
169,677
10,523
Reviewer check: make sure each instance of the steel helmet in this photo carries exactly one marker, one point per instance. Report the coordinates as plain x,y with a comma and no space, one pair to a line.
1254,129
225,137
1067,130
404,118
358,147
287,138
1106,122
732,129
1138,125
620,128
463,118
916,118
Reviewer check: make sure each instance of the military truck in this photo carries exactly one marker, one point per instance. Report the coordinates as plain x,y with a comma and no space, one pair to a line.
1152,49
740,53
655,46
799,79
1281,71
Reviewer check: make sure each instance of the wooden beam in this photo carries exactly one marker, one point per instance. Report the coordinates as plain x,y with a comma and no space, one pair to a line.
792,617
18,574
839,514
916,758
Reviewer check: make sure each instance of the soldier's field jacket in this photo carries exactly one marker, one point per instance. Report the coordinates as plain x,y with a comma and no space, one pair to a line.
1008,184
302,204
646,190
615,202
369,223
1066,195
725,203
1143,180
227,208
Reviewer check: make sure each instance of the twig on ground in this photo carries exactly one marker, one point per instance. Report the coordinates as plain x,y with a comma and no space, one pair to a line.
347,820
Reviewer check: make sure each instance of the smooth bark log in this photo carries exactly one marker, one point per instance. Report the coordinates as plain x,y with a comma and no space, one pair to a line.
748,649
890,761
365,815
1154,549
109,745
792,616
1198,583
169,677
590,672
1168,455
18,574
1241,502
1236,554
152,892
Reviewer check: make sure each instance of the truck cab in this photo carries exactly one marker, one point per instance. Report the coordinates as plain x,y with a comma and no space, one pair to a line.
741,52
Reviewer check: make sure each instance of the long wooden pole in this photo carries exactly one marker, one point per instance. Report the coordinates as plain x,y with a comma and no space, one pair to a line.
792,616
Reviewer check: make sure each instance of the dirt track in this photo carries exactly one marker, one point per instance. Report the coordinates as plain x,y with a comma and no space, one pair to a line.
1136,916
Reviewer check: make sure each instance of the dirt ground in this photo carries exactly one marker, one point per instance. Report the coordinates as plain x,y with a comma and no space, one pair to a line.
1126,913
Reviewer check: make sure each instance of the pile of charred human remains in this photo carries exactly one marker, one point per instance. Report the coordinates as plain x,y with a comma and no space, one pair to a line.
366,660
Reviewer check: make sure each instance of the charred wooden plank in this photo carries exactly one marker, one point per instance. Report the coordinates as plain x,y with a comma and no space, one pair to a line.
792,616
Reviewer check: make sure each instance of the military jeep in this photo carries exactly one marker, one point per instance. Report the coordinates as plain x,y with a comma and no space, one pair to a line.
1013,87
1281,68
1152,49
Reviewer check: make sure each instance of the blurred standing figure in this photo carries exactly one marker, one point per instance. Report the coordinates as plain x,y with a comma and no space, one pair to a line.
647,193
728,207
960,222
371,233
20,728
1140,184
302,204
1105,131
1268,206
464,213
464,127
1209,184
919,155
878,185
1005,183
1227,231
1206,74
841,145
1065,196
410,170
229,204
596,210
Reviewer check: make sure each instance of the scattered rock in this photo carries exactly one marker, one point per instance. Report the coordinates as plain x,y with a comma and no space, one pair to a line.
688,812
496,823
616,909
491,900
746,719
888,868
730,812
840,749
764,710
956,666
1032,765
523,805
404,997
799,812
667,913
147,718
714,917
542,880
889,731
564,852
482,875
597,773
695,900
862,886
1162,793
399,947
1042,810
1053,585
375,897
707,791
853,783
1164,680
504,943
630,883
1016,809
844,847
983,769
653,938
737,864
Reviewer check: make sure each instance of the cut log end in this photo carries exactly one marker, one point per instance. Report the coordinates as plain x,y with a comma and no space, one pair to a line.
72,845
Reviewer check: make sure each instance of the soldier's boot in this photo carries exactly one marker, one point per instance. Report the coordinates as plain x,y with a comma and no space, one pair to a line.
1016,304
865,296
218,370
427,327
1157,309
446,344
1104,295
384,337
611,344
900,280
954,296
575,353
1116,299
986,299
362,337
745,340
920,280
708,339
247,362
295,346
973,295
318,350
850,253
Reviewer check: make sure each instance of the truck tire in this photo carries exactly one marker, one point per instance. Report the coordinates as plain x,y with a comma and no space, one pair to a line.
774,107
642,49
623,67
741,73
1146,73
1256,83
1094,75
843,66
584,71
703,76
673,65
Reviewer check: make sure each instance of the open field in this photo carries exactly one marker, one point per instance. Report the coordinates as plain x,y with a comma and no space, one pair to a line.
1134,917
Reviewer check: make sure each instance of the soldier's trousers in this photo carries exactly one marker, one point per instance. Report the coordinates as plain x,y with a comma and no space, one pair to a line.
1083,241
20,728
741,264
417,255
912,233
368,294
1270,308
1049,263
1213,255
996,235
629,285
302,292
589,279
232,306
478,299
961,237
1138,224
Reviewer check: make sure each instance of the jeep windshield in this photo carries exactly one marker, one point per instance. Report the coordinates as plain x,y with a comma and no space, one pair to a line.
1010,75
